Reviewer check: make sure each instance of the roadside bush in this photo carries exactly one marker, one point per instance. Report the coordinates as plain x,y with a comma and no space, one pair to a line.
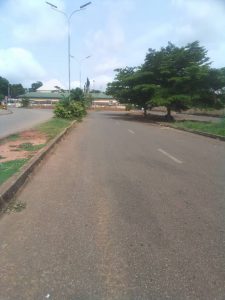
25,102
70,109
128,107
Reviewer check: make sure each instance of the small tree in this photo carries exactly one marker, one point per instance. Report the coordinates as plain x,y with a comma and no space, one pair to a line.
68,109
25,102
77,94
35,86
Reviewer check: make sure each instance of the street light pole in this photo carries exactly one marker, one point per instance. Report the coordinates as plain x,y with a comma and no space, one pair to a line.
81,66
68,18
79,61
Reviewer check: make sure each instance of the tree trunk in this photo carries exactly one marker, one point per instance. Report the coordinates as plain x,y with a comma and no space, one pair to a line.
168,115
145,111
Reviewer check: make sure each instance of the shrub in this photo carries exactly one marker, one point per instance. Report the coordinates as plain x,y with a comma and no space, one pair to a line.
128,107
70,109
25,102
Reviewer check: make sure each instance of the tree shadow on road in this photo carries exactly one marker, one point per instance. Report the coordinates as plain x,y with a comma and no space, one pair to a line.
136,117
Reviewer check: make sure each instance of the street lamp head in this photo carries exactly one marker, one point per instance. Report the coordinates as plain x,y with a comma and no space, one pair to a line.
52,5
84,5
88,56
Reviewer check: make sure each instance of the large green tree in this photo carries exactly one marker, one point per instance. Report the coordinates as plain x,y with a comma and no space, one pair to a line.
3,87
132,85
16,90
35,86
179,73
174,77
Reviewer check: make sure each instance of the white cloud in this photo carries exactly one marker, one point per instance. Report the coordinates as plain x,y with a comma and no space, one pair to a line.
19,66
201,20
99,82
109,40
108,64
75,84
50,85
34,21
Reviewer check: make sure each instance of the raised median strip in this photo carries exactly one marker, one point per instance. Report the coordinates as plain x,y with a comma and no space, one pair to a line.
214,136
10,187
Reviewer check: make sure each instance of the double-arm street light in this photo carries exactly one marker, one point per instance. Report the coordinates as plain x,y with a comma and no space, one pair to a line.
68,18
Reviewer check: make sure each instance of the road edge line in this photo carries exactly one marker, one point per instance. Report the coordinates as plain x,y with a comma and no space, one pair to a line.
9,188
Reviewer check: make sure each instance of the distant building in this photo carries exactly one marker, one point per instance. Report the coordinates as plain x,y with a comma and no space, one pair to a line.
103,100
46,95
42,98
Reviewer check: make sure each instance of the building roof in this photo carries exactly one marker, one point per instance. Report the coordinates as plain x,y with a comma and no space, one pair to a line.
51,86
45,95
100,96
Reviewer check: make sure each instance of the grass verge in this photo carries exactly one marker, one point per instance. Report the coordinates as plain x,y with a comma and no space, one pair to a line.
12,137
53,127
30,147
7,169
207,127
50,128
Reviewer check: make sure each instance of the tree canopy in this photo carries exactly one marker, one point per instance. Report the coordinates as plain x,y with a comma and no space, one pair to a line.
16,90
174,77
77,94
35,86
3,87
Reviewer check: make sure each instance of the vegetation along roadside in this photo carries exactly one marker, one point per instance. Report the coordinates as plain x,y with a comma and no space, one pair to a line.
17,149
206,127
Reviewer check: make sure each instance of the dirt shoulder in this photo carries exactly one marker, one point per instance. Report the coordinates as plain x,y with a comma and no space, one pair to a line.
17,149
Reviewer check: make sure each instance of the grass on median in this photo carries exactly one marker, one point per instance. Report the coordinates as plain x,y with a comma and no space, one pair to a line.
53,127
30,147
208,127
50,128
7,169
12,137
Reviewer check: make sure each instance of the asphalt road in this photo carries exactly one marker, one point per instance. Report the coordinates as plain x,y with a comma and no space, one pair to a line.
22,119
119,210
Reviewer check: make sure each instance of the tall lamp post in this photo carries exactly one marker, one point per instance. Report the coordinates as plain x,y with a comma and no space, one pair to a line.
80,66
68,18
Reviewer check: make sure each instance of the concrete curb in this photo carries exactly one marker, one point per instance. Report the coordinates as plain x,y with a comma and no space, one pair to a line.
9,188
213,136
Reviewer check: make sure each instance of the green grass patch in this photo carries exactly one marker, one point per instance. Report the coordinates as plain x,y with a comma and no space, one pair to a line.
208,127
53,127
30,147
7,169
12,137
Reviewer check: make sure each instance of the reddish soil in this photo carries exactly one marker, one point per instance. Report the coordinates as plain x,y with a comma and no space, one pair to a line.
10,150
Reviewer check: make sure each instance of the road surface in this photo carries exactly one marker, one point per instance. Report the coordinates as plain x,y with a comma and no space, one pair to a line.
22,119
119,210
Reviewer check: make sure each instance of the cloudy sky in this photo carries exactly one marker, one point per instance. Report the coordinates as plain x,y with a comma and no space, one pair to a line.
116,33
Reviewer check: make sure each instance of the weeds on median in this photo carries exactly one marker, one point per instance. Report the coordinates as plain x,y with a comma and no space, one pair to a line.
7,169
53,127
30,147
207,127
